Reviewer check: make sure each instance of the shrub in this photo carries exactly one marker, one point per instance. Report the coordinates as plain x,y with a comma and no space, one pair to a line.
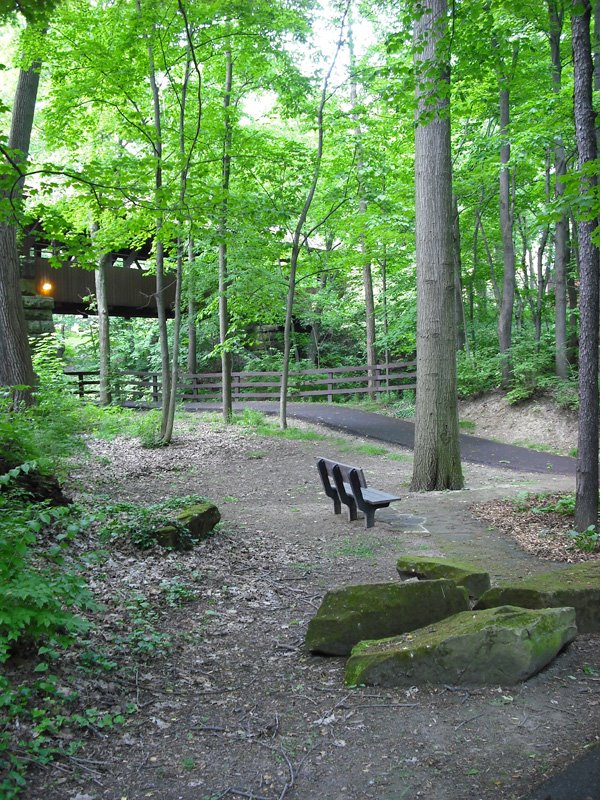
40,591
477,374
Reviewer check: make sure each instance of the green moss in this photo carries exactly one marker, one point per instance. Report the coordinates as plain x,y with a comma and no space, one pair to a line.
504,644
577,586
373,611
475,580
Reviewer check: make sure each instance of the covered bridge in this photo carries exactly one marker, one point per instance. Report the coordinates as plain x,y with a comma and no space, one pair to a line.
130,286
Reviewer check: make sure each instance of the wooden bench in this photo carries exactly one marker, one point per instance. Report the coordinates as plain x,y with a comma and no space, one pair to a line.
346,484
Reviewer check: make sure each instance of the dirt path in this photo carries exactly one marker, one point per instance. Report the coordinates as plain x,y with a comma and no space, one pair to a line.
236,708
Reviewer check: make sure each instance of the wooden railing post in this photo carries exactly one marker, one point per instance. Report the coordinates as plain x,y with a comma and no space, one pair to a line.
81,384
236,386
154,387
330,387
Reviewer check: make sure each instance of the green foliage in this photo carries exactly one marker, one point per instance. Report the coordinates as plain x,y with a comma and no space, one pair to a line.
531,368
588,540
565,504
38,711
140,633
176,592
41,594
477,374
148,429
138,524
49,431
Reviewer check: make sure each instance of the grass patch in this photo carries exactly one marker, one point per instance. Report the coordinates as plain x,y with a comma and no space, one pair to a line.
362,547
541,448
253,421
467,425
399,457
359,449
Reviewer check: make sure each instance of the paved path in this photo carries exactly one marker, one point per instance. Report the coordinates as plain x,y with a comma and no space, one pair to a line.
401,432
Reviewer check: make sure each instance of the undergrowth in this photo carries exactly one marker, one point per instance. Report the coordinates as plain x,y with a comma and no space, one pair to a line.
587,541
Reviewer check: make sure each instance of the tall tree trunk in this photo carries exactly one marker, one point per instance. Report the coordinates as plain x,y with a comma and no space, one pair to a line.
459,307
192,353
157,147
384,303
506,225
297,235
169,416
362,210
223,225
16,369
561,230
103,261
437,453
586,492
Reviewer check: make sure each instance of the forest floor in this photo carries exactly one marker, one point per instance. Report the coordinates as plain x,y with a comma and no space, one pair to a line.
220,698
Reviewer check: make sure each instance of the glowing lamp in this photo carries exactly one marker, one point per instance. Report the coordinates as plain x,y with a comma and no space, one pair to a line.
46,287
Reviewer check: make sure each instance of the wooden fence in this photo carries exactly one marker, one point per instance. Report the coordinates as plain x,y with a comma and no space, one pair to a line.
205,387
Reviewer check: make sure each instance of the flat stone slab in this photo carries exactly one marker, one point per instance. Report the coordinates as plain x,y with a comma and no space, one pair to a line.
198,520
378,610
475,581
475,648
577,586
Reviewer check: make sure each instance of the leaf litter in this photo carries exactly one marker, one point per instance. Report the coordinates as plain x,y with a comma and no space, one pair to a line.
220,698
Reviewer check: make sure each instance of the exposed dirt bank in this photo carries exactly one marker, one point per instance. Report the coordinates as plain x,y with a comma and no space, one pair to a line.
537,422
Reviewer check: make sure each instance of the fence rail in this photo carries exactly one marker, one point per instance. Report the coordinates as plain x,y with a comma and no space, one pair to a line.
206,387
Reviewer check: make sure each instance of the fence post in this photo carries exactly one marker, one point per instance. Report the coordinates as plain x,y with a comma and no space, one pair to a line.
80,384
330,387
236,386
154,387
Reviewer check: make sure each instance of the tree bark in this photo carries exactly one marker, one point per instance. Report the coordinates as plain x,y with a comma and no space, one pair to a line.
461,339
16,369
586,491
159,249
104,389
227,405
561,230
437,453
192,352
506,225
297,235
362,210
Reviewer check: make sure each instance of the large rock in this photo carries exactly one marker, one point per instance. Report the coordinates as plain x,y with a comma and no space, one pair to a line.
577,586
477,648
374,611
475,581
193,524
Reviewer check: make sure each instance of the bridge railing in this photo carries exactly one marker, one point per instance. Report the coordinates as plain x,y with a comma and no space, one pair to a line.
206,387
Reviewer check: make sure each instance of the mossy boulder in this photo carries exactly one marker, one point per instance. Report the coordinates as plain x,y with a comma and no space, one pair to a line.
374,611
475,648
577,586
475,581
194,523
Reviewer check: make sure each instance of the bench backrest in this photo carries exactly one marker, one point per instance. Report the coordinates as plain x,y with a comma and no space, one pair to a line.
325,466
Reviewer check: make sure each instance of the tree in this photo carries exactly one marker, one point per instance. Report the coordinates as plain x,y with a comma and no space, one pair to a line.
561,245
103,261
297,236
362,209
222,228
586,492
16,369
506,213
437,453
